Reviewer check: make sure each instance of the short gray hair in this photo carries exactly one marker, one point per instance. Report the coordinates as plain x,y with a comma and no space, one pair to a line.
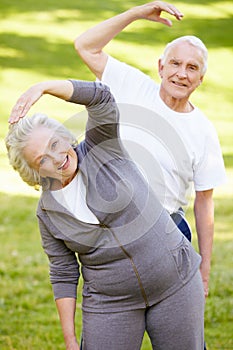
17,138
193,40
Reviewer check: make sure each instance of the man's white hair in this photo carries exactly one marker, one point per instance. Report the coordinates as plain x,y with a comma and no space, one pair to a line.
193,40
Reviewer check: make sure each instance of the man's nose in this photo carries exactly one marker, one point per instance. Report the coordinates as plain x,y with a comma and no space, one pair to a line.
182,72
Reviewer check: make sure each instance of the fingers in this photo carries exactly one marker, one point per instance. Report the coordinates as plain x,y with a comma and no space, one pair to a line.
24,103
19,110
157,7
206,288
174,11
165,21
206,292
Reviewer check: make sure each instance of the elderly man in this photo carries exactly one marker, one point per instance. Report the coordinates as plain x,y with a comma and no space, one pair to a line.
181,68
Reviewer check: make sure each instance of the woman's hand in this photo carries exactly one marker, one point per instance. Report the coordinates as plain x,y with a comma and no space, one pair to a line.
25,102
62,89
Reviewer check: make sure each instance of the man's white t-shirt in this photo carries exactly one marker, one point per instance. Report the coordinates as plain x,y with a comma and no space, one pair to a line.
174,150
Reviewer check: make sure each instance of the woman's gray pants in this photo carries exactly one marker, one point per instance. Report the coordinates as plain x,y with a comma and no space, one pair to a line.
176,323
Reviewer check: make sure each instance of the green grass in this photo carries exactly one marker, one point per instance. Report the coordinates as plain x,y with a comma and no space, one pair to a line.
37,44
28,318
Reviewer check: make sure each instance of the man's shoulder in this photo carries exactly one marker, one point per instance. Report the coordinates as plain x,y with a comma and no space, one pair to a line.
113,64
202,119
129,84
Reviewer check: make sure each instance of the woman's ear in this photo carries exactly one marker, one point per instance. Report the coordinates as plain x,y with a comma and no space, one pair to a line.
37,187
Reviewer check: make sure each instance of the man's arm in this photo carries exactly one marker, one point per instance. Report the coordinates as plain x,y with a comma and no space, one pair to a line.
90,44
204,217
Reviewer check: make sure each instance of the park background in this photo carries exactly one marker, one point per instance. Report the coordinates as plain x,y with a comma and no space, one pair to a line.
36,43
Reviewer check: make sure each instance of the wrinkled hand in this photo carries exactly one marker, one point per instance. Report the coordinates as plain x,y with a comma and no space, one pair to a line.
205,280
152,12
205,273
24,103
72,345
206,288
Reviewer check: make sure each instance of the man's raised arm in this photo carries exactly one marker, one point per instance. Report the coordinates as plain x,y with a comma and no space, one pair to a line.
90,44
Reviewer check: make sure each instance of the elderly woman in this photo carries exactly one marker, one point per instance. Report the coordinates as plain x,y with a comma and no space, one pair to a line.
97,212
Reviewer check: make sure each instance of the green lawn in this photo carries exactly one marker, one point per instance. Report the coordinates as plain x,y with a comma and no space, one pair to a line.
37,44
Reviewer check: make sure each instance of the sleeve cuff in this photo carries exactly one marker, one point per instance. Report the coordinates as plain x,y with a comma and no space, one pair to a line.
64,290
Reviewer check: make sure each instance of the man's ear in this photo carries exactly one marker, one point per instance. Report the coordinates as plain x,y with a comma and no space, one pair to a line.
160,68
201,79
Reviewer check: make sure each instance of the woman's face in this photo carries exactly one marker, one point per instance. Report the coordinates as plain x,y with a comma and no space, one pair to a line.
51,155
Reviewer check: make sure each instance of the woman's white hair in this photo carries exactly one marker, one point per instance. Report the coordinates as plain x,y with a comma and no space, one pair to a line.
17,139
193,40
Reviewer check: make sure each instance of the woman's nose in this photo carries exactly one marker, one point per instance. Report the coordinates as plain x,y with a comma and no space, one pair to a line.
58,159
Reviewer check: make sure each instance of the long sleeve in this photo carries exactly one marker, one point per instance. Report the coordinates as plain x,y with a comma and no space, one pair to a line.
103,114
97,98
64,268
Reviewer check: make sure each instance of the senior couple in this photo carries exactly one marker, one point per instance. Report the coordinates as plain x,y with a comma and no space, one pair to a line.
103,216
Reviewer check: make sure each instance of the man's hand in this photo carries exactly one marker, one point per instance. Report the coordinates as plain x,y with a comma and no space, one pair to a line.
205,279
72,345
152,12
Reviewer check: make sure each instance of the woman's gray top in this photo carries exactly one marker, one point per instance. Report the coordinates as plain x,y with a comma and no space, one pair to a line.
135,256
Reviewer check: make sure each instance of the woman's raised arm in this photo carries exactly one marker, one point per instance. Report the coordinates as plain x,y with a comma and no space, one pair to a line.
62,89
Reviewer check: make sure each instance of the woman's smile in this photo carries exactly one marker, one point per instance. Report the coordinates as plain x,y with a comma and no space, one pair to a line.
65,164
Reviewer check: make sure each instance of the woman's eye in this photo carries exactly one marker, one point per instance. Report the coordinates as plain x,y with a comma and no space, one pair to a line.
54,144
43,160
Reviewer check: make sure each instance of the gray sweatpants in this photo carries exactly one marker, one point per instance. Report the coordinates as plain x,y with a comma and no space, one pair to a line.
176,323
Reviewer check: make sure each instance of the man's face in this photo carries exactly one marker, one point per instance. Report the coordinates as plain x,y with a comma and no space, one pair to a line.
181,73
